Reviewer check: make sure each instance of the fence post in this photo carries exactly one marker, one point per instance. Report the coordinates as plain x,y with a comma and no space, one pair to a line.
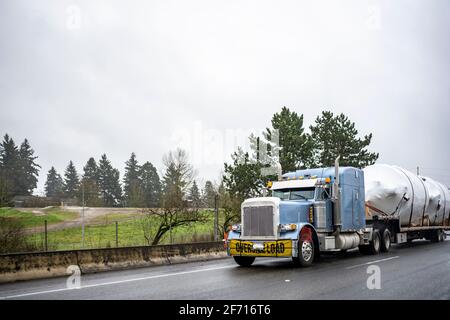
45,236
216,218
117,234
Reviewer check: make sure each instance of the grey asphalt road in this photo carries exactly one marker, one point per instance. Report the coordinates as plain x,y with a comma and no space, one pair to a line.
420,270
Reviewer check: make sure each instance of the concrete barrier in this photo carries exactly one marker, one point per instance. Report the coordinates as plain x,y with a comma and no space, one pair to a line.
35,265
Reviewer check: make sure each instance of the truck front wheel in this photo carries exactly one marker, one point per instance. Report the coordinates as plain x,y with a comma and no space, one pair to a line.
244,261
305,253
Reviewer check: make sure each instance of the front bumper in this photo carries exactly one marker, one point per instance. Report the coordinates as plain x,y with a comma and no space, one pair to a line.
262,248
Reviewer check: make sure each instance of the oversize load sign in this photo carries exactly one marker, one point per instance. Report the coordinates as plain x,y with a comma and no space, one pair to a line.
280,248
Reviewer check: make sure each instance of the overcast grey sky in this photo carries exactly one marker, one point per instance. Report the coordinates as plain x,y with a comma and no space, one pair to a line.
82,78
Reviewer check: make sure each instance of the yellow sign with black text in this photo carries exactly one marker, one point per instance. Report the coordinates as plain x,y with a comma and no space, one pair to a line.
279,248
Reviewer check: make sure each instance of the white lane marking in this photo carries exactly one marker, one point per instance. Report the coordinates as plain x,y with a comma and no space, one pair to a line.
372,262
123,281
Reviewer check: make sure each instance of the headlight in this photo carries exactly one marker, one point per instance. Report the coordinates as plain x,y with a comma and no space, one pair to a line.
288,227
236,228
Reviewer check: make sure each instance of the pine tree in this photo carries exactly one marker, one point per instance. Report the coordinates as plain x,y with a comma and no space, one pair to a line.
54,186
177,178
151,185
9,160
194,196
71,181
4,195
133,193
334,136
209,193
295,145
28,169
242,178
109,183
90,184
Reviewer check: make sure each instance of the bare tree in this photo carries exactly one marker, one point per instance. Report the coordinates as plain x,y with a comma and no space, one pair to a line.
231,209
157,222
175,212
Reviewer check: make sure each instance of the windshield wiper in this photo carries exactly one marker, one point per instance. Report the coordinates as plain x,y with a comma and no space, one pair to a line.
299,195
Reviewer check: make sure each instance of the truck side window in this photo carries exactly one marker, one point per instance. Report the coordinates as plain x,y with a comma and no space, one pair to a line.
323,194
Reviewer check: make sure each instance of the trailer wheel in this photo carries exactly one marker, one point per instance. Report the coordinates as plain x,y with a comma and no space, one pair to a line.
441,236
435,236
385,241
244,261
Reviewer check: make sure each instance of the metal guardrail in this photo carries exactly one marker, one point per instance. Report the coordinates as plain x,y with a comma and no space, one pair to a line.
202,245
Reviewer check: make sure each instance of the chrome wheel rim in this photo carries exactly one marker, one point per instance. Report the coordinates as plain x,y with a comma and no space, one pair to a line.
307,250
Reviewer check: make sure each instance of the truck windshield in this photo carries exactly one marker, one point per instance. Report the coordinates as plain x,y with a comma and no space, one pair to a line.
294,194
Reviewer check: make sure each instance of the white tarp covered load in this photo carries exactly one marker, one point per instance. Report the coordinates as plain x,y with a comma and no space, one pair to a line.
418,201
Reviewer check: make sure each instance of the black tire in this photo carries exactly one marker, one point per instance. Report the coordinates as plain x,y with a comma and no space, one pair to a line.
435,236
305,253
441,235
374,245
385,241
244,261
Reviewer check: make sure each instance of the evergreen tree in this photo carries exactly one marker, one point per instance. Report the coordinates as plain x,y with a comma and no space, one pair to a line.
9,160
242,178
151,185
109,183
177,178
194,196
28,169
295,144
71,181
132,183
54,186
334,136
4,195
90,184
209,194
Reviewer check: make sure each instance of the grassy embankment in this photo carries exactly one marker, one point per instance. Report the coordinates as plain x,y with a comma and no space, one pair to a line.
101,231
30,220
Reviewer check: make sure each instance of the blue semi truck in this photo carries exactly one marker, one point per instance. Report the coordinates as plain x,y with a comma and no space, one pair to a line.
320,210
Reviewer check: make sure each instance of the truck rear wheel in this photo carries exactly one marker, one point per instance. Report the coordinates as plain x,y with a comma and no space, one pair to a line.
374,245
305,253
385,241
244,261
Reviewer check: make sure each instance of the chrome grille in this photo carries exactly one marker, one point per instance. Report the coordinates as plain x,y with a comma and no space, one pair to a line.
258,221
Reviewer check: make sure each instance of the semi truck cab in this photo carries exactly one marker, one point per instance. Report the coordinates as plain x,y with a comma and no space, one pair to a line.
309,211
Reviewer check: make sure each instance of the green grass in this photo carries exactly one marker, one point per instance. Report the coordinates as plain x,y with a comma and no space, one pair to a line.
112,217
29,219
130,233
